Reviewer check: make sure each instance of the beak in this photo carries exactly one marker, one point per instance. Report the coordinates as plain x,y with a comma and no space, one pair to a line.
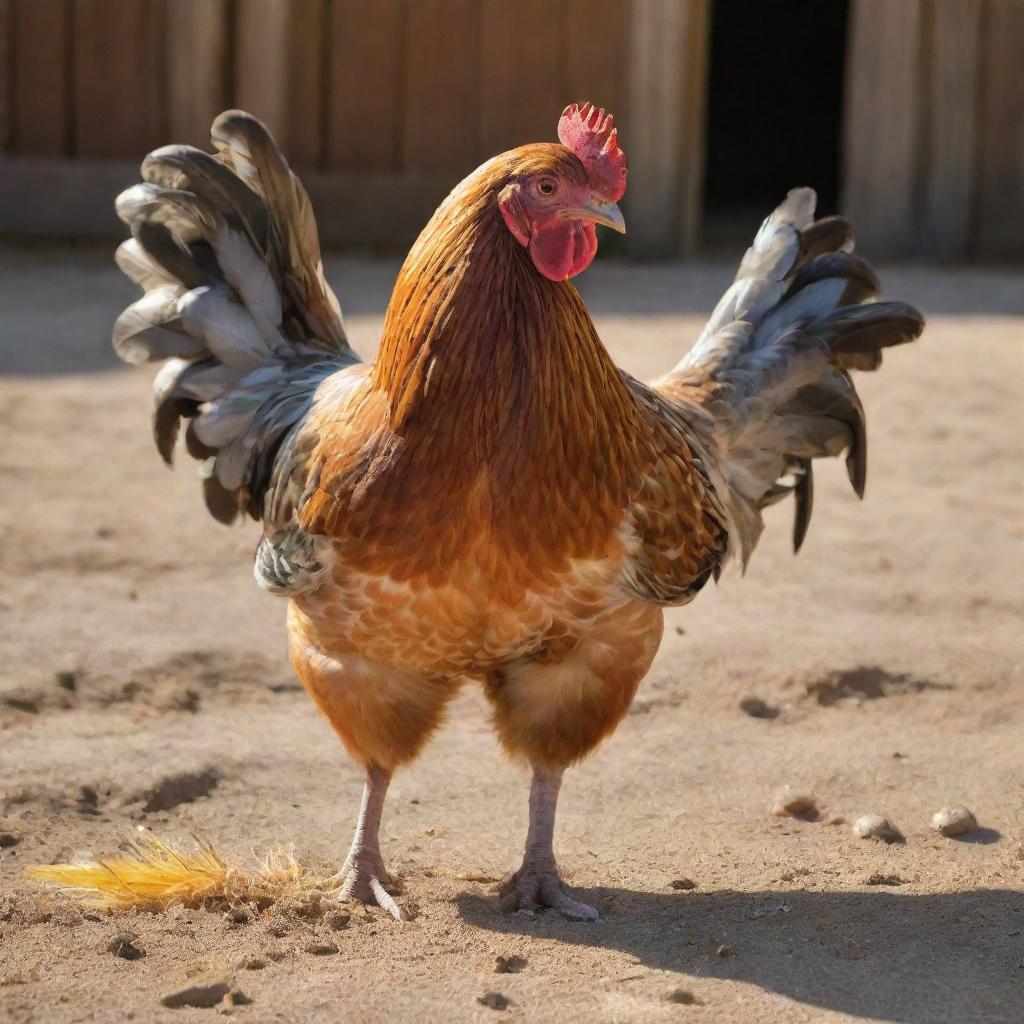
600,211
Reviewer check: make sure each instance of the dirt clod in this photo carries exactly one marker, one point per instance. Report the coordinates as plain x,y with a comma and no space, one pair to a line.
683,997
793,803
322,949
682,884
878,878
67,679
508,964
123,944
954,821
757,708
494,1001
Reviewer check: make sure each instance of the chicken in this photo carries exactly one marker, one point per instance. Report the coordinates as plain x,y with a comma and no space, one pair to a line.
492,499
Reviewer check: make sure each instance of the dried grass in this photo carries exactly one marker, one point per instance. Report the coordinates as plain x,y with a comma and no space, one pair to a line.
154,875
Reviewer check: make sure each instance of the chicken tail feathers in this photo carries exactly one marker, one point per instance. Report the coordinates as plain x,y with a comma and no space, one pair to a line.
768,382
235,306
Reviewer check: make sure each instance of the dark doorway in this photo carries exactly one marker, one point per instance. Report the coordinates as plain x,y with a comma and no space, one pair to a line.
774,109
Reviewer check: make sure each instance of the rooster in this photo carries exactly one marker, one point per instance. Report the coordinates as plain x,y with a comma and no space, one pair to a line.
492,499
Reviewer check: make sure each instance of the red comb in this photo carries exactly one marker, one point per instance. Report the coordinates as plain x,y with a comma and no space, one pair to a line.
590,133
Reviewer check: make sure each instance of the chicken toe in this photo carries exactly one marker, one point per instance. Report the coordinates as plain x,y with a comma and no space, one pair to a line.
537,885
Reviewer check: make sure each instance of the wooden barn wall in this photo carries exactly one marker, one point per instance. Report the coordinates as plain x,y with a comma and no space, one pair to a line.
933,148
382,106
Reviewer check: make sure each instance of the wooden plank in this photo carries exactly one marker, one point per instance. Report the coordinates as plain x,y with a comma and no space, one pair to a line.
307,82
597,54
953,89
999,201
39,108
883,122
117,80
522,80
353,210
6,74
665,128
79,196
261,62
441,98
197,68
364,116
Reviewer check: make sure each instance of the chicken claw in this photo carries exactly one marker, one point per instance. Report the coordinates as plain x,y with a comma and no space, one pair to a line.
540,885
366,879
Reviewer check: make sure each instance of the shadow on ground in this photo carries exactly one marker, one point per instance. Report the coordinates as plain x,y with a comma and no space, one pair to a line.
958,957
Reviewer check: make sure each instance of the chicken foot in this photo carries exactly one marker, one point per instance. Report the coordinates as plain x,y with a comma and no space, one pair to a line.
363,876
537,883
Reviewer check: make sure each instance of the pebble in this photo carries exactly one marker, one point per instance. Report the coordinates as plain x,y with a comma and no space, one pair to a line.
791,803
322,948
123,945
682,884
954,821
874,826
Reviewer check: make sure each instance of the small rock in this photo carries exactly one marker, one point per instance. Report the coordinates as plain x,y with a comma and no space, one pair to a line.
254,963
954,821
322,949
682,997
508,964
874,826
682,884
494,1001
338,920
791,803
757,708
202,994
724,951
123,945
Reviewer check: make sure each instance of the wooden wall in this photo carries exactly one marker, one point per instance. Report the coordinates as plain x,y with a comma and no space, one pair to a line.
934,132
382,105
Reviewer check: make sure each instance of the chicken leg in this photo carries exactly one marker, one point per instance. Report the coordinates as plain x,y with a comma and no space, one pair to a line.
537,882
363,875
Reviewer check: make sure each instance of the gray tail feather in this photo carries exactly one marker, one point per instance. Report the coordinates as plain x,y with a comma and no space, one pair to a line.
770,375
225,247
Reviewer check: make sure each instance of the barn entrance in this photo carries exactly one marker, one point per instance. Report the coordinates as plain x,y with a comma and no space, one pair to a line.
775,94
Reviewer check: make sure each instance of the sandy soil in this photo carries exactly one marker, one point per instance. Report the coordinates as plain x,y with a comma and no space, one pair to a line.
145,683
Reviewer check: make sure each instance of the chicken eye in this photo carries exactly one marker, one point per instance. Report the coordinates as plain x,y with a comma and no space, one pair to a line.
546,186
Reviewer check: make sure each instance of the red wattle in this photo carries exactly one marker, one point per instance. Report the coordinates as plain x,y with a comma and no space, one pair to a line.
563,248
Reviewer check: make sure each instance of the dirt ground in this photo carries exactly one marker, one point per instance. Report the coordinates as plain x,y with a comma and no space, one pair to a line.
144,682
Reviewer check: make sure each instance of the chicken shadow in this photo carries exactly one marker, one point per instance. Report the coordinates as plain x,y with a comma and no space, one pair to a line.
883,955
